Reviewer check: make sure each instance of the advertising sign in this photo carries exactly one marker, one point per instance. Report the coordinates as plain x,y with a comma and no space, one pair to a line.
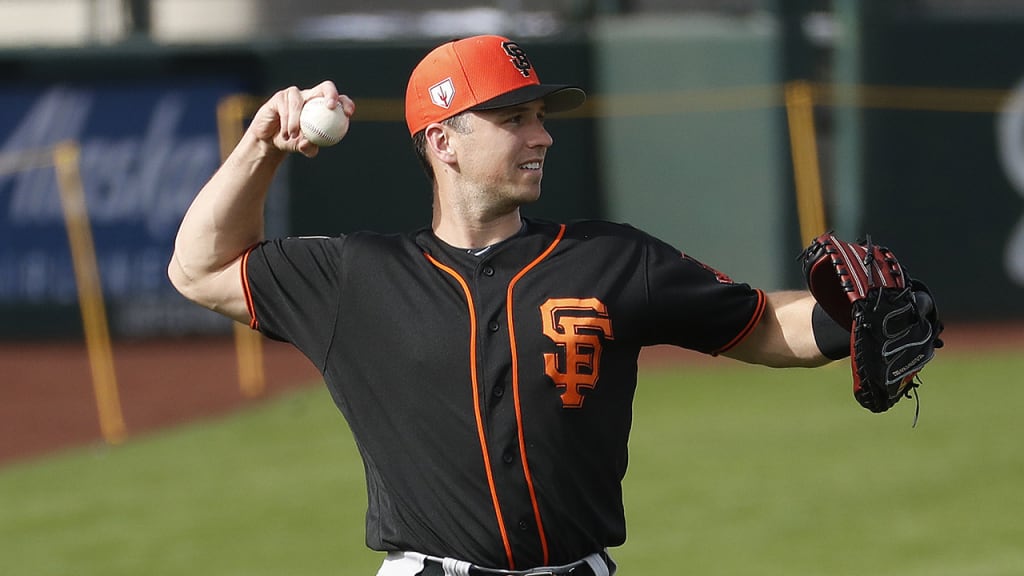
146,150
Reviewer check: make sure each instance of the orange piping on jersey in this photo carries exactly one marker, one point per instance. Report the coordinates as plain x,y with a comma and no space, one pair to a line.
253,323
762,302
476,405
515,390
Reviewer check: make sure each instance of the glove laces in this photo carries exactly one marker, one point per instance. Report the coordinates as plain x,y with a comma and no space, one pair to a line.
910,391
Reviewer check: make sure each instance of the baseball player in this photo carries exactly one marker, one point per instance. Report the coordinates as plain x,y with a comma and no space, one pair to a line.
486,364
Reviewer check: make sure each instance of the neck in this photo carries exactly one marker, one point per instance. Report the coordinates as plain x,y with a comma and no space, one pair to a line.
472,233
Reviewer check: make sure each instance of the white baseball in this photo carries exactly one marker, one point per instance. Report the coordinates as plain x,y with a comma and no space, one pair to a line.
321,125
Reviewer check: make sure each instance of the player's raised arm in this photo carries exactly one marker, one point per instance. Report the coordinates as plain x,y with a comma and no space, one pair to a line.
226,217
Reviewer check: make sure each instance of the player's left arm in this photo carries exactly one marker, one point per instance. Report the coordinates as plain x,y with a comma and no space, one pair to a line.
785,335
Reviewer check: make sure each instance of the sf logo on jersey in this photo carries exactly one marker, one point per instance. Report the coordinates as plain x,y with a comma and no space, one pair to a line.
578,327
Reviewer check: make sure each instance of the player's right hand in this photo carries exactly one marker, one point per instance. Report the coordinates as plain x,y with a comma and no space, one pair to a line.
277,121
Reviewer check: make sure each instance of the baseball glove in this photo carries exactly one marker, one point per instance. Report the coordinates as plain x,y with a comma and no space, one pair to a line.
892,318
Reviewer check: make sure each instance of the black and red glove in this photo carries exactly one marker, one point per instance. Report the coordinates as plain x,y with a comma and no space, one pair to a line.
892,318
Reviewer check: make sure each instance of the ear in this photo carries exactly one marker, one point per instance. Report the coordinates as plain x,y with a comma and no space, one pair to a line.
439,143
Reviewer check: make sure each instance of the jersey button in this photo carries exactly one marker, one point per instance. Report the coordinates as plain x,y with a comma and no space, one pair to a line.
488,271
499,390
509,456
493,326
524,525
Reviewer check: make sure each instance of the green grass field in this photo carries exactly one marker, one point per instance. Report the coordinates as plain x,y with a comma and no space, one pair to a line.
734,470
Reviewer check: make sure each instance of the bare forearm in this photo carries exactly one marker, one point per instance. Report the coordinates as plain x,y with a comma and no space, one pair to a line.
224,220
794,311
226,216
785,336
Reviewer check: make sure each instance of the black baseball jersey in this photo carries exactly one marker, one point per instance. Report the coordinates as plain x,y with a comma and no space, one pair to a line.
490,395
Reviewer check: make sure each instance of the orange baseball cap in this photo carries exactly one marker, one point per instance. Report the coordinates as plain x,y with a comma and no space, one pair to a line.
478,73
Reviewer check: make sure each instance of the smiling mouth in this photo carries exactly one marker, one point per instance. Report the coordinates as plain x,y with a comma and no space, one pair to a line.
530,166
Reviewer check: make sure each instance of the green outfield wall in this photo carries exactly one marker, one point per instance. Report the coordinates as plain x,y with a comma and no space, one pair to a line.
943,157
692,141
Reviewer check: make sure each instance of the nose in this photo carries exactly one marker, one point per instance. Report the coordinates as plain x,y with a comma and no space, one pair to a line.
541,137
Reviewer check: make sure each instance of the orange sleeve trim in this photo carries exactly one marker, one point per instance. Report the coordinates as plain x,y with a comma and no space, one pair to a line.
515,391
762,303
476,405
253,322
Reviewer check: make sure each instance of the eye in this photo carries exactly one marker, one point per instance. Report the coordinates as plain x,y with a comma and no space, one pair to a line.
515,119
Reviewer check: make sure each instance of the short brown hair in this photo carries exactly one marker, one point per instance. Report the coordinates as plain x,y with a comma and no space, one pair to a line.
459,123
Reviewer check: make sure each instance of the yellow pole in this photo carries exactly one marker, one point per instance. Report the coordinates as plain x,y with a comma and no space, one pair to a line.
231,113
249,355
804,148
90,293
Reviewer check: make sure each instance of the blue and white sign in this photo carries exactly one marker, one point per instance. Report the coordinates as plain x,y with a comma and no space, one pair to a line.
146,150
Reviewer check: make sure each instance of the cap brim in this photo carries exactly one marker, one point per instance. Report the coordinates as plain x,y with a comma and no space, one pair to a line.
557,97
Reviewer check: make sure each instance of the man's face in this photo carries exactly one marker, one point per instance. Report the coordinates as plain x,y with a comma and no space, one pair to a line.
502,155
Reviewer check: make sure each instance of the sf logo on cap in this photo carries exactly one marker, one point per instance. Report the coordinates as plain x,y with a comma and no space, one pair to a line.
442,93
518,58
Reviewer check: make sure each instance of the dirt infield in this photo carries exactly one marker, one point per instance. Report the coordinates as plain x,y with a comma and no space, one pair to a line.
47,402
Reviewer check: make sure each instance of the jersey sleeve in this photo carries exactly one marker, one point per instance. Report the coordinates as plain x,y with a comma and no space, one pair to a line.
694,305
292,289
